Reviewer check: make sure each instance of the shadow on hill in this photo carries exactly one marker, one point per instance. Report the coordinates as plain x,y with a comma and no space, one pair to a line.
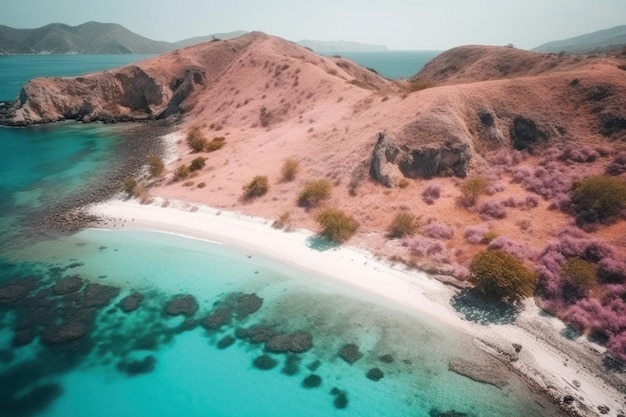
479,310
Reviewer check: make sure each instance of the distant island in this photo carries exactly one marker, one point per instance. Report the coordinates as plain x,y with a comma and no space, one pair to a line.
111,38
600,41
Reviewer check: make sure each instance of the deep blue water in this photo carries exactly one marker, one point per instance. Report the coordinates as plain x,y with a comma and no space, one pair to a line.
390,64
146,362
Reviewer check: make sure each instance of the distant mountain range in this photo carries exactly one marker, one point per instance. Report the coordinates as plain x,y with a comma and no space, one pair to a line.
591,42
111,38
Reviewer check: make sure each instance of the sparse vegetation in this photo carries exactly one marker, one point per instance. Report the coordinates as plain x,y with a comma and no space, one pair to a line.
282,221
215,144
130,184
336,225
201,185
419,85
265,117
197,164
314,192
403,224
155,166
257,187
181,172
196,140
598,199
582,272
472,188
498,275
289,169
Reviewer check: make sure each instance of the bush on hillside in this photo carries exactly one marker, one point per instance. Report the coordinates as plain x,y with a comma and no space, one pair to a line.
130,184
472,188
257,187
582,272
598,199
403,224
215,144
289,169
498,275
336,225
431,193
155,166
314,193
197,164
196,140
181,172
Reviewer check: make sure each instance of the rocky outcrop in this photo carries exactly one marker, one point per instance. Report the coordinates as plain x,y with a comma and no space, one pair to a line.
525,133
488,373
130,93
436,159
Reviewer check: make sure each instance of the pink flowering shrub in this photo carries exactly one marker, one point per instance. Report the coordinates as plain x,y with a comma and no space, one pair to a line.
618,166
517,249
548,181
578,154
438,230
475,234
431,193
600,311
425,247
523,203
492,210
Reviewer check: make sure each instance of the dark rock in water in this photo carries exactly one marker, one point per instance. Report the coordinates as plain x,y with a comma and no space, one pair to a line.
247,304
131,302
350,353
296,342
147,342
98,295
603,409
182,304
33,402
517,347
437,413
568,399
225,342
257,334
292,365
6,355
218,318
341,398
12,293
265,362
375,374
23,337
312,381
188,324
136,367
386,358
63,333
314,366
68,285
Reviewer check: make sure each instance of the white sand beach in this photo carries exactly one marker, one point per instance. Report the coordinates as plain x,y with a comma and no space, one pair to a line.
550,362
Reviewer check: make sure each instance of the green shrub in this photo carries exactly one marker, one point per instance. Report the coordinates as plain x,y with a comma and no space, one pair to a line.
181,172
314,192
201,185
257,187
472,188
419,85
498,275
155,166
130,184
488,237
290,169
282,221
598,199
196,140
197,164
403,224
581,272
336,225
215,144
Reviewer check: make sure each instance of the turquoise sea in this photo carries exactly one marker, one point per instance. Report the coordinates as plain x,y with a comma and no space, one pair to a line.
390,64
71,343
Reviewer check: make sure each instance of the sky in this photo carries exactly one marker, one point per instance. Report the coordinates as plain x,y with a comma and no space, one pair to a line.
398,24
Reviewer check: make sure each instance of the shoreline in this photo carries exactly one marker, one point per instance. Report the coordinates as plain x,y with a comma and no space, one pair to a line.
551,364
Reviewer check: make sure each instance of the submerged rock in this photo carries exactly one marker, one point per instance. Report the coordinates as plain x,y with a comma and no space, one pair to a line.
312,381
350,353
341,398
12,293
98,295
486,372
225,342
265,362
218,318
257,334
182,304
64,332
375,374
131,302
296,342
292,365
246,304
386,358
68,285
138,367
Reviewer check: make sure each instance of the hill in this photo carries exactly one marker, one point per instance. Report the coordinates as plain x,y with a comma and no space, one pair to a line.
340,46
608,39
88,38
208,38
